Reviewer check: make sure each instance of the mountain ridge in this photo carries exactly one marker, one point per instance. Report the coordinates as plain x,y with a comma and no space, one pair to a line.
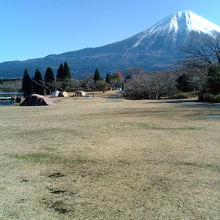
157,47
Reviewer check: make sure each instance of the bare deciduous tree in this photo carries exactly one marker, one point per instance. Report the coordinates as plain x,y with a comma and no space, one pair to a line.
152,85
199,77
206,52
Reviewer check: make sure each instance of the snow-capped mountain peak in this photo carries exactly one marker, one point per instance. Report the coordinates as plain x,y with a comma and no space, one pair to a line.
180,22
195,22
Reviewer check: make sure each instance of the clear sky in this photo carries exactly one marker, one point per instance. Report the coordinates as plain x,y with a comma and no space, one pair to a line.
37,28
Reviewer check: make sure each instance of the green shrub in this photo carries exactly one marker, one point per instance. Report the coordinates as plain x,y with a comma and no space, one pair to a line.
183,95
211,98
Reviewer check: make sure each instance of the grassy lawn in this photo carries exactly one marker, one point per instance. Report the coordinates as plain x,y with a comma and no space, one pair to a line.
106,158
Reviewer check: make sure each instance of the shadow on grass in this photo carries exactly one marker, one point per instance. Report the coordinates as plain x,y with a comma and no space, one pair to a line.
190,103
155,127
174,101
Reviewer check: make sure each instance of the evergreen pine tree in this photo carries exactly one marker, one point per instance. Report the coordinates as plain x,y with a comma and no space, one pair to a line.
38,84
49,76
50,83
214,79
60,73
184,83
26,83
108,78
37,75
66,71
96,76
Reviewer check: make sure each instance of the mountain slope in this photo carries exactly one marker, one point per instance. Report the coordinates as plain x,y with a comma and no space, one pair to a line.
158,47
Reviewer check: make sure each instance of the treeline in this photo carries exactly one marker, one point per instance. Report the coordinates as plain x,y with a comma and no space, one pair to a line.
63,81
111,81
48,83
141,84
10,85
203,81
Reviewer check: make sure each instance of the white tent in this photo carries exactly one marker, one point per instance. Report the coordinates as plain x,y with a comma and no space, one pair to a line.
80,93
55,93
63,94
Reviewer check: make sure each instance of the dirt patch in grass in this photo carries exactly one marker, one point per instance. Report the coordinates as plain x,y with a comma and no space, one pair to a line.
54,191
56,175
59,206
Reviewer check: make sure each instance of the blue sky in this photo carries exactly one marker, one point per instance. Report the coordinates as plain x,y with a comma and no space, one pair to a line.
36,28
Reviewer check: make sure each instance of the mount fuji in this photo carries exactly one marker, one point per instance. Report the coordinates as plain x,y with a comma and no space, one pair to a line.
157,48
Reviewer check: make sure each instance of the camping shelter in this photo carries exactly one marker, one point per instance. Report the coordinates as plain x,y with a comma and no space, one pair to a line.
36,100
55,94
80,93
63,94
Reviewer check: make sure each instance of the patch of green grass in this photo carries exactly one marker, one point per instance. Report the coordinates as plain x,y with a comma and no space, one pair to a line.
46,158
13,215
34,157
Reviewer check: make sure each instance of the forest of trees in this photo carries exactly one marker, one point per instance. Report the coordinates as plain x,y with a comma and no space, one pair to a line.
48,84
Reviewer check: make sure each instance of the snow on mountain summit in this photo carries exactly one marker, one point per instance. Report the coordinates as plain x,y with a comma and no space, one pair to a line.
195,22
180,22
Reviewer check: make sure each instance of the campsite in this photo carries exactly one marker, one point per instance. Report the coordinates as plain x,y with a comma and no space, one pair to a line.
110,158
110,110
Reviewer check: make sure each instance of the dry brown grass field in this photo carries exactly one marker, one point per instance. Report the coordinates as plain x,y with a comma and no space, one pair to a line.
107,158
